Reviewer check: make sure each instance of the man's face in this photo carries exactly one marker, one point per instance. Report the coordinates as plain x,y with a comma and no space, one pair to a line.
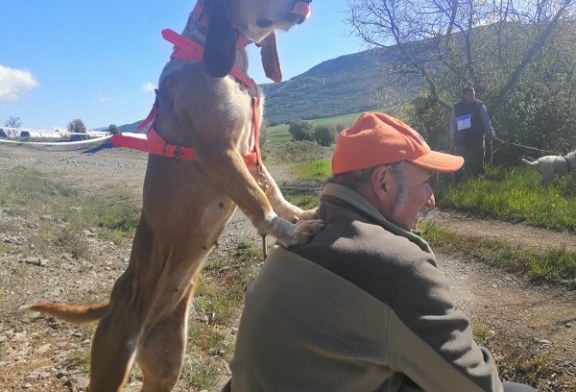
469,96
407,194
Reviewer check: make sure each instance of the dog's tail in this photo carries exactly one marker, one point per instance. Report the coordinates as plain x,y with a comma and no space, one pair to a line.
529,163
77,314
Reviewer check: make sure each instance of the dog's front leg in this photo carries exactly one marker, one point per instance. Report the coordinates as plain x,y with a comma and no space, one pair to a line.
280,205
229,171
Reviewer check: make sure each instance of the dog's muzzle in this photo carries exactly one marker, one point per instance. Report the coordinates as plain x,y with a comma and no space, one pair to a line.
302,9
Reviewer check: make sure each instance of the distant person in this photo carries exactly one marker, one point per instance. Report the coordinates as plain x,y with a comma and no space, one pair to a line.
363,307
469,123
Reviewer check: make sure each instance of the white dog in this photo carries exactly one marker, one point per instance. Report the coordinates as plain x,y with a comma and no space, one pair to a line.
550,166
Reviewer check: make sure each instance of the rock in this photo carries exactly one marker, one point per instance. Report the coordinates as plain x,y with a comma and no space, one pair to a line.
43,349
79,380
544,342
35,261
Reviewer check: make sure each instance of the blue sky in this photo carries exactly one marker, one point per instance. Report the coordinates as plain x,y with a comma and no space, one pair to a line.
99,60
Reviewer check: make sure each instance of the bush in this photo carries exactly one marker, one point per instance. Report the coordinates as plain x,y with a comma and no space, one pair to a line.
301,130
324,135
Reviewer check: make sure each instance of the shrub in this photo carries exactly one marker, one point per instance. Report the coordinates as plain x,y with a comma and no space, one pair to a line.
324,135
301,130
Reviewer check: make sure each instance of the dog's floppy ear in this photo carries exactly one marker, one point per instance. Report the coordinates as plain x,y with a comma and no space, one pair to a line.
270,60
220,46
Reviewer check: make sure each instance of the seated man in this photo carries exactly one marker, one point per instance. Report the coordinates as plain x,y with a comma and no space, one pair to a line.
363,307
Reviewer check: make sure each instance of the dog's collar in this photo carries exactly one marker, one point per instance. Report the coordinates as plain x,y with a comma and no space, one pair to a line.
188,49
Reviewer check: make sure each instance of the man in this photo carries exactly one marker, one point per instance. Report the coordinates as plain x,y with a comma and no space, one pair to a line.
362,307
469,123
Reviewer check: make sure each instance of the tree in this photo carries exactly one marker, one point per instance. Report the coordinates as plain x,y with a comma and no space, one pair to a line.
502,48
113,129
324,135
301,130
13,122
76,127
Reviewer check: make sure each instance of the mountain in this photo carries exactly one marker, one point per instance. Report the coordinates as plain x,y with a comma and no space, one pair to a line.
347,84
130,127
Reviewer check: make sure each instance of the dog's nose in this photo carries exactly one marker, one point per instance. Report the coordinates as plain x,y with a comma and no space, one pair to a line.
302,9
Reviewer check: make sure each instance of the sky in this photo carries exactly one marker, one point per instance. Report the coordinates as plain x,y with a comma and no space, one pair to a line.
99,60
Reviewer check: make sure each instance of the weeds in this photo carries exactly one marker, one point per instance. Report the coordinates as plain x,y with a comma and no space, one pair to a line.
80,358
28,192
221,290
201,376
317,170
551,265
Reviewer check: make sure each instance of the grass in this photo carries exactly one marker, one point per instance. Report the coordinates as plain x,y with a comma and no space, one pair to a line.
514,195
80,358
280,134
316,170
201,376
551,265
220,292
219,297
67,210
290,152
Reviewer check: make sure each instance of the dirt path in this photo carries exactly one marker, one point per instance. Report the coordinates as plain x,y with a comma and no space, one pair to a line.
39,355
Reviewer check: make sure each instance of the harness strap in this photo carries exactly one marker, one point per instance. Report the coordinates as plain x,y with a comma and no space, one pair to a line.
188,49
185,48
154,144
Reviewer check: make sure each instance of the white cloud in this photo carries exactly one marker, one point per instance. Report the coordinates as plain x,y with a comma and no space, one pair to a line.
149,87
14,83
104,98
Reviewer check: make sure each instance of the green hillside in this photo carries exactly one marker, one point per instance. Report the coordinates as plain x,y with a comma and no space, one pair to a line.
347,84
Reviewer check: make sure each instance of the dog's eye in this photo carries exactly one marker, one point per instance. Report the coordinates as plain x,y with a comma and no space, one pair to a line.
264,23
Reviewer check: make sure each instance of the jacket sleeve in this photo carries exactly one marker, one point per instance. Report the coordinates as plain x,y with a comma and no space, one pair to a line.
432,342
488,129
453,125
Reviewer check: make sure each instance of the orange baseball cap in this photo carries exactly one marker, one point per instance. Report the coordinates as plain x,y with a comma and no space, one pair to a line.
379,139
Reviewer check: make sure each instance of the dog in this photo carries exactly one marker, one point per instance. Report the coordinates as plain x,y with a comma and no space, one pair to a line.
187,203
551,166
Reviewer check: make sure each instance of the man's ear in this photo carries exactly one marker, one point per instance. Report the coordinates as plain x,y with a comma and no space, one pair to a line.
380,181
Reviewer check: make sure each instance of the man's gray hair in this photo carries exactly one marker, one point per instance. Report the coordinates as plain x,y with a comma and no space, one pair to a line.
357,179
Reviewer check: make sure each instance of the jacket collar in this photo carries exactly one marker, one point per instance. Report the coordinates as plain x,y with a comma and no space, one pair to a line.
357,201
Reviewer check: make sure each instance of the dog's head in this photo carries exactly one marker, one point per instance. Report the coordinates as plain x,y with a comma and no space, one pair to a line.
256,20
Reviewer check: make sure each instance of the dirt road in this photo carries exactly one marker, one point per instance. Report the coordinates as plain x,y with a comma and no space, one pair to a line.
42,354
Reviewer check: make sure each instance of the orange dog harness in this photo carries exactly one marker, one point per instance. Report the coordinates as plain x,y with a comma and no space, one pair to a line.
185,48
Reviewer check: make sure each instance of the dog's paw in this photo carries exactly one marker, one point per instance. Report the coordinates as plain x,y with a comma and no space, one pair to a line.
307,214
306,229
293,234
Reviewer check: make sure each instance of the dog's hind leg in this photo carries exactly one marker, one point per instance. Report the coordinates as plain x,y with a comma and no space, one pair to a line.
115,342
119,332
163,347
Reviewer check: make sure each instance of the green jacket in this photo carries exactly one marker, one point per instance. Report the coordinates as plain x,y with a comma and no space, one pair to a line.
361,308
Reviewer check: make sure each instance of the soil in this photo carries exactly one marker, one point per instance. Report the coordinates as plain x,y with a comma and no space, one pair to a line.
520,322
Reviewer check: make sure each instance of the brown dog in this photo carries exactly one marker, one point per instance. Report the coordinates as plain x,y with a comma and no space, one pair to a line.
186,204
